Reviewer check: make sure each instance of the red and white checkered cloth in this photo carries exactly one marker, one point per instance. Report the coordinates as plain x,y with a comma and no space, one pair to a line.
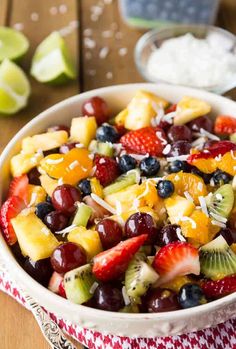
222,336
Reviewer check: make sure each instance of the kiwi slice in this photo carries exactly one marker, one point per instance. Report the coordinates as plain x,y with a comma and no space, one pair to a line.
233,137
131,308
82,215
101,148
122,182
221,202
139,276
78,283
217,259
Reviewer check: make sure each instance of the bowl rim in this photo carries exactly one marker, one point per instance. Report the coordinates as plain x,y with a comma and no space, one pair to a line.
49,297
221,88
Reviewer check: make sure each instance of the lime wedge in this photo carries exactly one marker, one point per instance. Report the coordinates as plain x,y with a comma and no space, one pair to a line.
52,62
14,88
13,44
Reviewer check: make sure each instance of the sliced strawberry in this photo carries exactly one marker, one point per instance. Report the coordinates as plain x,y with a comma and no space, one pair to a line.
219,148
18,187
225,125
219,288
107,169
54,282
171,109
10,209
145,140
176,259
112,263
61,290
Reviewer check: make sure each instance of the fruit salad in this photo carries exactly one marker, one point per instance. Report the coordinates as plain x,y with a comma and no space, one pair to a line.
134,212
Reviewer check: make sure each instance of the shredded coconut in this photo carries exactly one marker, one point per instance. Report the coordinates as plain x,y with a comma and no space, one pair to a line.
207,134
218,218
180,157
188,196
66,230
167,149
54,161
32,199
93,287
159,136
203,205
179,234
60,181
73,164
219,224
103,203
79,145
232,154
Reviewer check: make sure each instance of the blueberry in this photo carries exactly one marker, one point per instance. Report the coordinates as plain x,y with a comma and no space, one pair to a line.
205,176
127,163
85,187
191,295
177,165
149,166
220,177
107,133
43,208
165,189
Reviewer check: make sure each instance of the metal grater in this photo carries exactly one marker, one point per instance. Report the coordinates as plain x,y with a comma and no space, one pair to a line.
152,13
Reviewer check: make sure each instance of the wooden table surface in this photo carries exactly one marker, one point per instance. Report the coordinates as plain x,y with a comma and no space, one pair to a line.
86,33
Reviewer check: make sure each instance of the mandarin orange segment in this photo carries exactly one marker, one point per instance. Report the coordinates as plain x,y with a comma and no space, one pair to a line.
70,167
205,165
176,284
196,227
228,163
188,182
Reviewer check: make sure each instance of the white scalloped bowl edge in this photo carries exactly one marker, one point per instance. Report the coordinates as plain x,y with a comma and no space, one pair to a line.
130,325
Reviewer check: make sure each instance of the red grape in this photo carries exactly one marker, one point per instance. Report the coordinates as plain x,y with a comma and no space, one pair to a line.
107,297
110,233
56,221
59,128
96,106
180,148
40,270
33,176
179,133
168,234
204,122
64,198
159,300
68,256
141,223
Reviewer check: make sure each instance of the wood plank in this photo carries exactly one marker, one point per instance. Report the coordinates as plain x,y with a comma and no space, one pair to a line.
115,68
4,10
37,20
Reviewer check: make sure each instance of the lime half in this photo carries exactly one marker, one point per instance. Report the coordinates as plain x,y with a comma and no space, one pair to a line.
14,88
52,62
13,44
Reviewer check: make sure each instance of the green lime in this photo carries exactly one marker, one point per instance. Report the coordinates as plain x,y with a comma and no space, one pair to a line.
14,88
52,62
13,44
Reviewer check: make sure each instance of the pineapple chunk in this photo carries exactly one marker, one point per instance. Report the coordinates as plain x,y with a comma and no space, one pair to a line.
23,163
127,198
120,118
36,194
190,108
49,184
35,239
140,110
44,141
177,207
83,129
96,187
88,239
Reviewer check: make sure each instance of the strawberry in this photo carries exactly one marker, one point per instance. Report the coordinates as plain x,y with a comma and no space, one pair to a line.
145,140
219,288
112,263
171,109
220,148
107,169
176,259
18,187
10,209
225,125
61,289
56,284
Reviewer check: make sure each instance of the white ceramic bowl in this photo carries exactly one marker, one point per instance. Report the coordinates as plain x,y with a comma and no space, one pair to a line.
138,325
